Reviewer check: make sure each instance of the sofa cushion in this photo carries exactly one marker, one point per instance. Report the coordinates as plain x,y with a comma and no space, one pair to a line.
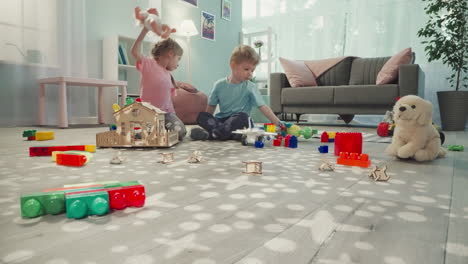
366,94
307,95
389,72
297,73
338,74
364,70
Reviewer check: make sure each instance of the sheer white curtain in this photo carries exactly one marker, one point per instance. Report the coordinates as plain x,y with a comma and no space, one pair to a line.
39,38
312,29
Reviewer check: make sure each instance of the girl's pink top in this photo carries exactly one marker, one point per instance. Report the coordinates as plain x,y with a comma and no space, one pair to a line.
156,86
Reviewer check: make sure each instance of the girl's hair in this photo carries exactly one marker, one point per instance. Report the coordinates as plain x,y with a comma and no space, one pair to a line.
243,53
166,45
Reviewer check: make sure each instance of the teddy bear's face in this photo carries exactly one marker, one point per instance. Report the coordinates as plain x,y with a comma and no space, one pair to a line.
412,107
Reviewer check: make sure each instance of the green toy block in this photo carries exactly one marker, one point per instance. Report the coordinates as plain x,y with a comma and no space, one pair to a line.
129,101
456,148
29,133
82,204
37,204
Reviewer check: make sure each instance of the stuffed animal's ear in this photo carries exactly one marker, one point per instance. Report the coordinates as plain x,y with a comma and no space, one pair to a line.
425,117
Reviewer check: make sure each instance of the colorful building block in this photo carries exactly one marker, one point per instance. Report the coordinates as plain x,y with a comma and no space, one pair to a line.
75,160
292,142
324,137
269,127
77,152
286,141
455,147
382,129
44,135
353,159
323,149
259,144
129,196
47,150
348,142
29,134
86,203
37,204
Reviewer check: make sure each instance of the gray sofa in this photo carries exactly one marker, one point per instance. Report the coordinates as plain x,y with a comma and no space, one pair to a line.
347,89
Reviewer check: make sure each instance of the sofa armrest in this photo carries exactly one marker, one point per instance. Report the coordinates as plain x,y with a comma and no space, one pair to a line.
410,80
278,81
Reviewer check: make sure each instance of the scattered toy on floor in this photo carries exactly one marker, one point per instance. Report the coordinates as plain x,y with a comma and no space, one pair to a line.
253,167
415,136
138,125
81,200
117,159
326,166
456,147
195,157
47,150
379,174
38,135
323,149
166,158
353,159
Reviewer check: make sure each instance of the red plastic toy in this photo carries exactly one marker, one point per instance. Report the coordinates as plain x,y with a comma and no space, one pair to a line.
286,141
47,151
277,141
382,129
123,197
71,159
353,159
348,142
324,137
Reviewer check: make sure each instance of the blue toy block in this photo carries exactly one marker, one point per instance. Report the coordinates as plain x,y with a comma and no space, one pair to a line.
293,142
259,144
323,149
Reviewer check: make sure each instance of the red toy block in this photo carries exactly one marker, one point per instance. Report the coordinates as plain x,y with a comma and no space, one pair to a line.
324,137
71,160
353,159
32,138
348,142
122,197
286,141
382,129
47,151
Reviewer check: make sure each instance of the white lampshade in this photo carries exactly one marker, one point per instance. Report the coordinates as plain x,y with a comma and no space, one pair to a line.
187,28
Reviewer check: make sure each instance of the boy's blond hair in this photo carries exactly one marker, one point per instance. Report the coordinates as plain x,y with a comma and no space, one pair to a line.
164,46
244,53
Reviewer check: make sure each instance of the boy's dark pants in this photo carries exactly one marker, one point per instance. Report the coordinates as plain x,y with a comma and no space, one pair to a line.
221,128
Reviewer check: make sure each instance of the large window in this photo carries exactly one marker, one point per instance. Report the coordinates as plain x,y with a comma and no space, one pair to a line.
28,30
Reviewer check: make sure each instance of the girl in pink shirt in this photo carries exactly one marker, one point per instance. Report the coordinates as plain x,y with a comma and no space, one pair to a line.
157,86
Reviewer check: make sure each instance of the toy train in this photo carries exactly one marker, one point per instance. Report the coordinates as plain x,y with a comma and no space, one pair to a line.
81,200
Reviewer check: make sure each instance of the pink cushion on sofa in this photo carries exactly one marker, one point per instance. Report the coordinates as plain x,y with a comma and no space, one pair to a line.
188,105
389,71
298,73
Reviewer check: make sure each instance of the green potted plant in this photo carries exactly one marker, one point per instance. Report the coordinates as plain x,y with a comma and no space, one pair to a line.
446,37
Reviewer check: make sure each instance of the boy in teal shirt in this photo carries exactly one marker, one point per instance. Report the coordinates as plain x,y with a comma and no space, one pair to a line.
236,96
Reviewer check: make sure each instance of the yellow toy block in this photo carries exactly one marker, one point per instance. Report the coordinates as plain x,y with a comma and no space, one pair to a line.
90,148
331,135
44,135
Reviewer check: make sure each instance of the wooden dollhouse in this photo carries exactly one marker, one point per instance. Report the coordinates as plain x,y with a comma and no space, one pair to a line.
139,124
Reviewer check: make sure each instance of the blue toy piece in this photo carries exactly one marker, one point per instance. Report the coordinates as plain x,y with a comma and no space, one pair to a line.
323,149
293,142
259,144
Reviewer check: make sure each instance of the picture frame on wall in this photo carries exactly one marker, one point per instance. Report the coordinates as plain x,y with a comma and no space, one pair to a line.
191,2
226,7
208,26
